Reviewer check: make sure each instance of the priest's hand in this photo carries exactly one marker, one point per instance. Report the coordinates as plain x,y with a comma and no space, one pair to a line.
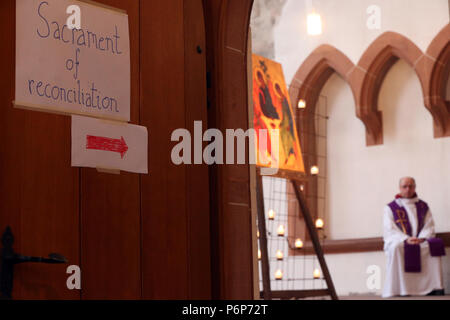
414,240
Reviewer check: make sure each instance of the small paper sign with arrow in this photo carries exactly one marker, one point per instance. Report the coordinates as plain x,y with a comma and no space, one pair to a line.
110,145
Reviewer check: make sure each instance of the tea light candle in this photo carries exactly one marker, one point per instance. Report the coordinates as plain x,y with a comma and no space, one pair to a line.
281,230
314,170
301,104
316,274
271,214
298,243
278,275
319,224
279,255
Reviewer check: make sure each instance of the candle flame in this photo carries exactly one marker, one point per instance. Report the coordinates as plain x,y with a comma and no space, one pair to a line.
301,104
319,224
316,273
271,214
279,255
279,275
281,230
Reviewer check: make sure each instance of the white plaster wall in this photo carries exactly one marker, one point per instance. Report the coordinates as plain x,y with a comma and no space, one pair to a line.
360,179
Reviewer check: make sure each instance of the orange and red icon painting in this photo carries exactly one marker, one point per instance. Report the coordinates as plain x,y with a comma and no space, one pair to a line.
273,111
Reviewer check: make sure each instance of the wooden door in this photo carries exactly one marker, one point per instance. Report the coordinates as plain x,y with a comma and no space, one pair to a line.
110,207
133,236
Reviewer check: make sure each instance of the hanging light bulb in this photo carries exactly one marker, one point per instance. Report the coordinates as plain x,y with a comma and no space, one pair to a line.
319,224
280,230
298,243
316,274
271,214
278,275
314,22
301,104
259,254
314,170
279,255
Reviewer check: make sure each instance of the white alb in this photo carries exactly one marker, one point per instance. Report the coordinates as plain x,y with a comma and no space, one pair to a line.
401,283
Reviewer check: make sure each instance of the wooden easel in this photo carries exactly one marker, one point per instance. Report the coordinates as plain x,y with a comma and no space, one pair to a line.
267,293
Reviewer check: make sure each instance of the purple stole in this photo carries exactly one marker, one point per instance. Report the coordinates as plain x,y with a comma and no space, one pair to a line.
412,251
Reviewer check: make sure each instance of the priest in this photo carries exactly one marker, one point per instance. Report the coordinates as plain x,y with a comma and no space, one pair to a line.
412,251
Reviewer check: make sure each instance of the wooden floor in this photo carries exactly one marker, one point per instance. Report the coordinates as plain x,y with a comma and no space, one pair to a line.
374,297
378,297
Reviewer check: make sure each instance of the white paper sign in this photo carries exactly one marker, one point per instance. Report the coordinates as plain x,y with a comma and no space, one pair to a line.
75,71
110,145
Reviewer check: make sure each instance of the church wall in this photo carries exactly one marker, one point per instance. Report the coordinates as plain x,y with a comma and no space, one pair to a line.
361,179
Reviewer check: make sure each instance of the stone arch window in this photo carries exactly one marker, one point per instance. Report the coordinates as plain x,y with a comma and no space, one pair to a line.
365,79
307,85
370,72
436,64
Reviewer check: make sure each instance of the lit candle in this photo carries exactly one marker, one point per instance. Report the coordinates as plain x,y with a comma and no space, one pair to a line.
279,255
319,224
298,243
259,254
279,275
301,104
314,170
257,234
271,214
281,230
316,274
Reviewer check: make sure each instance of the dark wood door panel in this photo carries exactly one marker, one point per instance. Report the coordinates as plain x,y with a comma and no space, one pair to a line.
163,190
110,210
175,212
39,190
110,245
197,177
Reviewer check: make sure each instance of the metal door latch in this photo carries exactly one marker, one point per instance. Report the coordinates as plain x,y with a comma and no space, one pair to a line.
9,258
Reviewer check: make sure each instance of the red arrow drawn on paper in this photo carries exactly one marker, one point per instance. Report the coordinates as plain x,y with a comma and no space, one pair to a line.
107,144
